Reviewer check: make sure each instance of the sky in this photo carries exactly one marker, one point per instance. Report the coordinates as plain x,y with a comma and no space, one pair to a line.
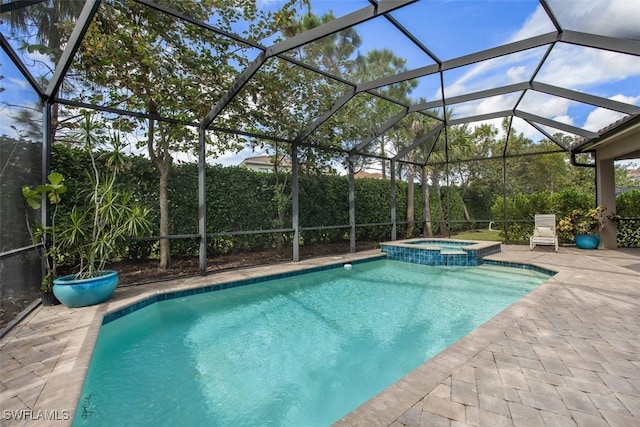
453,28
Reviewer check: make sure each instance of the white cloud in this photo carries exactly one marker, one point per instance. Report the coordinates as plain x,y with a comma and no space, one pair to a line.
496,72
15,83
544,105
538,23
517,74
564,119
613,18
577,67
601,117
486,105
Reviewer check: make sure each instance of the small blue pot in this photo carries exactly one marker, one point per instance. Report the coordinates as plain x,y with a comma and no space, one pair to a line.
587,241
74,292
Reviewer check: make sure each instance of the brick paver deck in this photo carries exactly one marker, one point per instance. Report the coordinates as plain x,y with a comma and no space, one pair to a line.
567,354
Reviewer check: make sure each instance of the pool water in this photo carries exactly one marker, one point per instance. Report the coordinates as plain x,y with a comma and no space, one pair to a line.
301,350
445,248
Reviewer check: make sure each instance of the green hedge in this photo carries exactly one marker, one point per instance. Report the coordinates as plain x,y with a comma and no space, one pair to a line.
239,199
628,206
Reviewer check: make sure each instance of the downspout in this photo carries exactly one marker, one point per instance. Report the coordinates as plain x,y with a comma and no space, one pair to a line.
574,162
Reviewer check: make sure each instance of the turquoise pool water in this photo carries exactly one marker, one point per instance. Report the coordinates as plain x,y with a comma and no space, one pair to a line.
444,246
302,350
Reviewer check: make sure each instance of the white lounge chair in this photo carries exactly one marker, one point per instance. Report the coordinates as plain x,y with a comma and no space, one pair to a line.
545,232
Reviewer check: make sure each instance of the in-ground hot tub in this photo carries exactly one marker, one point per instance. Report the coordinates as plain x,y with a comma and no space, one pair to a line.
440,251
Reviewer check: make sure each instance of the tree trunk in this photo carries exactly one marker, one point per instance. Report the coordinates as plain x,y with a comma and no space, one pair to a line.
162,161
382,155
444,229
165,247
279,189
427,205
410,201
467,216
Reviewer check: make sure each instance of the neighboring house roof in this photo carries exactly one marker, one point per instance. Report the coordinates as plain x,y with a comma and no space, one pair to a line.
263,163
258,160
364,174
634,174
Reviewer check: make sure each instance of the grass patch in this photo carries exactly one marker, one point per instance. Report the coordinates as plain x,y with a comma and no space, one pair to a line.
490,235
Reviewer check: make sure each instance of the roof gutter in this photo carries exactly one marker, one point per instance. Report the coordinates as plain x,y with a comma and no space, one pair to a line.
574,162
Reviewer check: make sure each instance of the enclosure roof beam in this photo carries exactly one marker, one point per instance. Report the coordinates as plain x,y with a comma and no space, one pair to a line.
301,39
382,129
547,134
327,29
17,4
255,45
107,109
182,16
408,34
320,120
480,117
419,141
400,77
555,124
337,25
586,98
613,44
496,52
507,156
159,118
551,15
79,30
462,61
471,96
236,87
239,39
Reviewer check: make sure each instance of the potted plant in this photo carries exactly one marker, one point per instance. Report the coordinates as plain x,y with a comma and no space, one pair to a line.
585,227
95,232
46,235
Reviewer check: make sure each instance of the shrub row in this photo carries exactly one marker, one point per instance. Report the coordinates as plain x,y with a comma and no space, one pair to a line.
242,200
522,208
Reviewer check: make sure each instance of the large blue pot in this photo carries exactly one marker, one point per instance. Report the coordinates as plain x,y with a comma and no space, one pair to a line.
74,292
587,241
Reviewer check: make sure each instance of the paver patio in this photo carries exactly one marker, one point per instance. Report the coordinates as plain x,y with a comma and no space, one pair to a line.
567,354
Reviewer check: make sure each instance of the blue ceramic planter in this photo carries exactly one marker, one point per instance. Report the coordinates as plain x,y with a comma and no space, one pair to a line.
587,241
80,293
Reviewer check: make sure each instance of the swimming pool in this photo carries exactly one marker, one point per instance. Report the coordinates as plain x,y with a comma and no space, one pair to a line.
300,350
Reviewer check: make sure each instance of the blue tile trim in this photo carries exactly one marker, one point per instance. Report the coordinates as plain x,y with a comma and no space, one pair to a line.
522,266
110,317
435,257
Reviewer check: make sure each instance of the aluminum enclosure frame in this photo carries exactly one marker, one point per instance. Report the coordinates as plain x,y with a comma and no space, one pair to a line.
377,9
